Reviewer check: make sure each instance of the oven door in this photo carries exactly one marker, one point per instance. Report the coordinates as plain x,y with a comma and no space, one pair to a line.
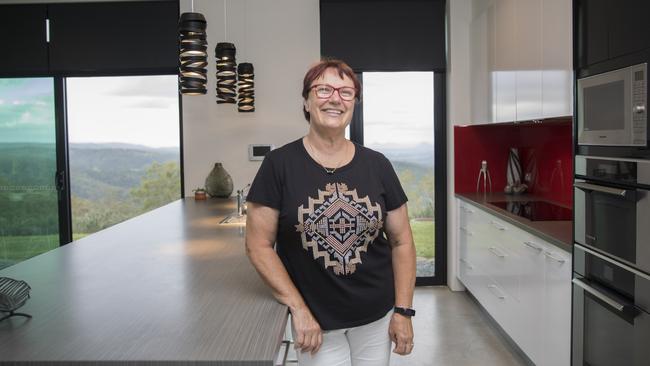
613,220
611,324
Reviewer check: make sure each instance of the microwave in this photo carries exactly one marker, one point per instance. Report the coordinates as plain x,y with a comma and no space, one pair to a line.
612,108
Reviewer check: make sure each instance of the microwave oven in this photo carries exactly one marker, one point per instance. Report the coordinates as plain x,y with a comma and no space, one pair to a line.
612,108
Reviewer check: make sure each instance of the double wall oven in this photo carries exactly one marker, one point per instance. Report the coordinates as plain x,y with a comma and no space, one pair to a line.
611,281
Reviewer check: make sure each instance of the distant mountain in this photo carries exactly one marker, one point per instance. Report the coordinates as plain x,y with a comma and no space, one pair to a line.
421,154
96,170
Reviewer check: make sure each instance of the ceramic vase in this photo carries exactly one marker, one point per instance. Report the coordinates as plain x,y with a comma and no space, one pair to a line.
219,183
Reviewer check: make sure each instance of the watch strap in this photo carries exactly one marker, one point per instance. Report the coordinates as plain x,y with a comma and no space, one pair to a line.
404,311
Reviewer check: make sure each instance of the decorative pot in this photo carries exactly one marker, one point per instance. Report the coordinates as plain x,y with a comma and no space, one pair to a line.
219,183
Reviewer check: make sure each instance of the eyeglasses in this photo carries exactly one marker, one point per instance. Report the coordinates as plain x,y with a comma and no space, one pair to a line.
324,91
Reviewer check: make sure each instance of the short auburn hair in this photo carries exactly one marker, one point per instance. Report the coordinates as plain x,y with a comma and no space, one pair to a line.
319,69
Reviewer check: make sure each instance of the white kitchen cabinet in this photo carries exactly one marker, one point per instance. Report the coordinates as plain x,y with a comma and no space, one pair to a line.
521,280
557,58
521,64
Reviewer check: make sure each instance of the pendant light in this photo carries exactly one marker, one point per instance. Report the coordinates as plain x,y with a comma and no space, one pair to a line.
226,72
193,56
246,87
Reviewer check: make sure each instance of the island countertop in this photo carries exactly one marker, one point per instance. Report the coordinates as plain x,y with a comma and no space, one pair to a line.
169,287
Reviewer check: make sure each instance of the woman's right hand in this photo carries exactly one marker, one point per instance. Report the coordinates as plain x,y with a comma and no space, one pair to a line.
309,336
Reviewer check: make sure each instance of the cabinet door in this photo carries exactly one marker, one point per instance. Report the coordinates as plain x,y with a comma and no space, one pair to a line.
593,42
479,69
557,58
122,37
23,39
528,42
505,55
628,27
556,331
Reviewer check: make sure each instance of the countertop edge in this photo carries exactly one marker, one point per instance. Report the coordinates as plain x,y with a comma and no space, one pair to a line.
561,244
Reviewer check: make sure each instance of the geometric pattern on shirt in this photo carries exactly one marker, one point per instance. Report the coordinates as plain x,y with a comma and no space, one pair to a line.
338,226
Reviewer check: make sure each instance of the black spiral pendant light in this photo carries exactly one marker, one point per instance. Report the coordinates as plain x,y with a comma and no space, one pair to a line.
226,73
246,87
193,54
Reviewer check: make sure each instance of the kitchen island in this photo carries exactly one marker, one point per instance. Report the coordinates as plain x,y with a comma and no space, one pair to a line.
169,287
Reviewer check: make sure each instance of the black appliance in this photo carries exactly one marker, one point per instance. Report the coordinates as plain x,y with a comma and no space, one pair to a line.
611,262
535,210
612,208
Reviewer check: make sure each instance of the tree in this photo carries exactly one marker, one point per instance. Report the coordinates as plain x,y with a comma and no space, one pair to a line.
160,185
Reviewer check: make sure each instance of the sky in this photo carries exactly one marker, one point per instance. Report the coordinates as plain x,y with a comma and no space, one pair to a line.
139,110
397,108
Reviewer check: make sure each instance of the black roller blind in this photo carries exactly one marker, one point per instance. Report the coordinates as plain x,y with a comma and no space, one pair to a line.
114,37
23,40
378,35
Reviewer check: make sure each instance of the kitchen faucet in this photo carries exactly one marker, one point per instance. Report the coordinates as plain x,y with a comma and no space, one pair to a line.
241,200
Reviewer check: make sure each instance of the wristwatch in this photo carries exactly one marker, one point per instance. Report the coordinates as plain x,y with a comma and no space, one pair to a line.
405,311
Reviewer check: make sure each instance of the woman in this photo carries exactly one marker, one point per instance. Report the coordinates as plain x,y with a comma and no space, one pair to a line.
327,203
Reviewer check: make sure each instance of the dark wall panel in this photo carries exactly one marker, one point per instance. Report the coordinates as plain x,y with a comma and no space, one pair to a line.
118,37
22,36
384,35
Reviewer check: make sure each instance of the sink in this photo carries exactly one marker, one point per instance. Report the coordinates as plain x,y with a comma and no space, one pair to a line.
233,219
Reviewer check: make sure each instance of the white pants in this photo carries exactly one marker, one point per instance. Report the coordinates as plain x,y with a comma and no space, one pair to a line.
365,345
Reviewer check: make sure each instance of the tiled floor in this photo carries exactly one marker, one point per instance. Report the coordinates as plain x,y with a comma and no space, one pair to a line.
451,330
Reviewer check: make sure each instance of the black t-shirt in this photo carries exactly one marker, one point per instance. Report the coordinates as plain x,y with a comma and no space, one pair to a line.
331,230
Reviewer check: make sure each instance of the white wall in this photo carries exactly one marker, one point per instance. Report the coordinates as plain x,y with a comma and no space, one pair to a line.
282,39
458,112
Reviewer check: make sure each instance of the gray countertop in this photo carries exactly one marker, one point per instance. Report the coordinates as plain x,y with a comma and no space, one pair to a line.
170,287
558,233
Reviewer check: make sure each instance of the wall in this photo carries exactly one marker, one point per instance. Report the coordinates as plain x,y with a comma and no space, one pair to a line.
458,112
282,39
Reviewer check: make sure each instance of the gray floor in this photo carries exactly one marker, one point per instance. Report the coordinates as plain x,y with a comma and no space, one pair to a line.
450,329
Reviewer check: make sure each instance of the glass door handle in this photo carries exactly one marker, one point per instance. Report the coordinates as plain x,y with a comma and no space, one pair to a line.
59,180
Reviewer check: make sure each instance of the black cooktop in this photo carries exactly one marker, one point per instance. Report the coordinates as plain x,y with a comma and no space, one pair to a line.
536,210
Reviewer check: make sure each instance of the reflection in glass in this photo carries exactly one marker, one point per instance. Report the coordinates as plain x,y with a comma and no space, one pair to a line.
28,198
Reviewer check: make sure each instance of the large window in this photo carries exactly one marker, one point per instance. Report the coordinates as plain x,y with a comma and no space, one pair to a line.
29,216
124,148
398,121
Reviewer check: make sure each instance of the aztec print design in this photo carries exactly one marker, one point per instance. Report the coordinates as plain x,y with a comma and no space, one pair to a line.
338,226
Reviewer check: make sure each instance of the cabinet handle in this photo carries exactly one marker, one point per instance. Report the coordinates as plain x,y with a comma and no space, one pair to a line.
530,244
550,255
496,225
469,233
468,210
496,252
606,299
466,263
492,289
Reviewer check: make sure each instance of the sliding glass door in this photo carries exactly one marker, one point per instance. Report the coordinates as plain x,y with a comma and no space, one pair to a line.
396,118
29,218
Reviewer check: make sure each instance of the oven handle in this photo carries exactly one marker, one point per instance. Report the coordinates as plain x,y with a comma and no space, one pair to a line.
602,189
598,294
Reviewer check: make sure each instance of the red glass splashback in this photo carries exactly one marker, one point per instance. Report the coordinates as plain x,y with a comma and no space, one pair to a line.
544,152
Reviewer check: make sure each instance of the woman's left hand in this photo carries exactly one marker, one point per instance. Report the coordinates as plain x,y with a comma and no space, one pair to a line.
401,333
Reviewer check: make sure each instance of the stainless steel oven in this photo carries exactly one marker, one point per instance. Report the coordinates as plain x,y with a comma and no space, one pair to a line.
611,305
612,208
612,108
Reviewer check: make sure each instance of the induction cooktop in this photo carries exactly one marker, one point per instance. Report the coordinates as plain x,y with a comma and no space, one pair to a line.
536,210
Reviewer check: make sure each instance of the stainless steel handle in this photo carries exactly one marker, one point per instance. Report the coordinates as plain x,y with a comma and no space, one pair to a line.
468,210
469,233
598,294
638,109
496,225
467,264
495,287
602,189
558,259
617,264
530,244
496,252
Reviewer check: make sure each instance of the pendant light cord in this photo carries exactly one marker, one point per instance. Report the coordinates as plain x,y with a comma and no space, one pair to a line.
225,20
192,6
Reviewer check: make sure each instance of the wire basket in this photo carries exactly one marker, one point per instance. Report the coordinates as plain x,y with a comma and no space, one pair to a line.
13,295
